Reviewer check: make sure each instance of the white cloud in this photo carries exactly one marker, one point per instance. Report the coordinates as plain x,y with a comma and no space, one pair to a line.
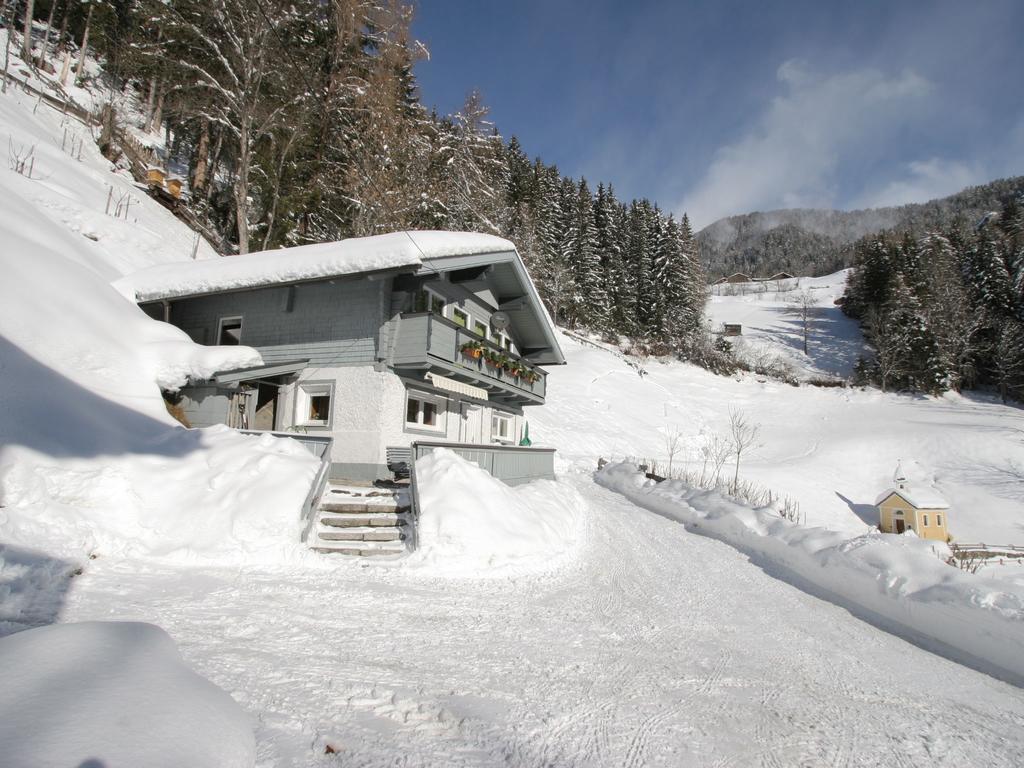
791,154
923,180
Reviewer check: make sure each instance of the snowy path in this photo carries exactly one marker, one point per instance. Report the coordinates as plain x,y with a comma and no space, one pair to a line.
658,647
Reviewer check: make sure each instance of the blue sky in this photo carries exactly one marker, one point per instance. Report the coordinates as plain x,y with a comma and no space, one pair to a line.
728,107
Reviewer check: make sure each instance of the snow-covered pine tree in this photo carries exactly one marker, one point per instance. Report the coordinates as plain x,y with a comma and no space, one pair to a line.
590,305
609,249
904,334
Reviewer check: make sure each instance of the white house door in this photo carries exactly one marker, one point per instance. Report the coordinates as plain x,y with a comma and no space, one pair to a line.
471,424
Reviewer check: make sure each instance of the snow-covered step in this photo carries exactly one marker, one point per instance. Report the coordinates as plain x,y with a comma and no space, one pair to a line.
362,534
369,518
362,521
356,507
361,548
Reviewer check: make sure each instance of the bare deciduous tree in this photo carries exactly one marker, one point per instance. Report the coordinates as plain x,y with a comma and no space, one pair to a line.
715,451
26,43
805,303
673,444
743,434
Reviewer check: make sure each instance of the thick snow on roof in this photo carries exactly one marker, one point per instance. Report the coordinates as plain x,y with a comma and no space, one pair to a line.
920,497
305,262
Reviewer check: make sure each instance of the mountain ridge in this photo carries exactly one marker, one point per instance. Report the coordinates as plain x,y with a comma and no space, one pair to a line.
819,240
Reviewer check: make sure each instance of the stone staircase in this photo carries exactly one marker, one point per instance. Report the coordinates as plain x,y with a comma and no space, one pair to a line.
363,521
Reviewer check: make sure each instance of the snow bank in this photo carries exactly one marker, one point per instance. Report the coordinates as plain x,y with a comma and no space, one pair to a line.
184,495
472,524
305,262
897,578
113,694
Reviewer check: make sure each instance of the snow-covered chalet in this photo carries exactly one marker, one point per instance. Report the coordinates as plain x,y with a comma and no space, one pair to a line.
377,342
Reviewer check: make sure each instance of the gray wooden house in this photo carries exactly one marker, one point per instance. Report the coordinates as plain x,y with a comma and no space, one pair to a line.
377,342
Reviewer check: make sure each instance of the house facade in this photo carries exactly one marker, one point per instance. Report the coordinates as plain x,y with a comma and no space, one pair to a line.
921,510
377,341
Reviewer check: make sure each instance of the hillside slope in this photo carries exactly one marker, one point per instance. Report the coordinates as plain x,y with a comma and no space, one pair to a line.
90,460
804,241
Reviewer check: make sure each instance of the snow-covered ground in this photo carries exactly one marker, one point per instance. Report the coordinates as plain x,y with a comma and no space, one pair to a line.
771,314
653,646
832,450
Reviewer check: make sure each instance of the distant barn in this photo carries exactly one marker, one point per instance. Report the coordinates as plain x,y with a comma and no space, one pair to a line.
736,277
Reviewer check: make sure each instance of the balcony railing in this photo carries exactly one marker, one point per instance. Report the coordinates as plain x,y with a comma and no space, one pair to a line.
426,340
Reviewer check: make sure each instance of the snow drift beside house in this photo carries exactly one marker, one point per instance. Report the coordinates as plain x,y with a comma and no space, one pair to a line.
305,262
113,694
899,578
472,524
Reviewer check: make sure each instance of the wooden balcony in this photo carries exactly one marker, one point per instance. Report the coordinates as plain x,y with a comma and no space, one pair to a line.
427,342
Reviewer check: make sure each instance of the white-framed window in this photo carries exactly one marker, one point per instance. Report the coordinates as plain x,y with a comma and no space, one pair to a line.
924,521
938,520
503,340
313,403
480,329
501,427
460,317
229,331
424,411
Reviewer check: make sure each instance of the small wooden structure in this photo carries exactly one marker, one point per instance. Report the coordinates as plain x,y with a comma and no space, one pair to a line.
735,277
732,329
781,276
174,184
155,176
921,510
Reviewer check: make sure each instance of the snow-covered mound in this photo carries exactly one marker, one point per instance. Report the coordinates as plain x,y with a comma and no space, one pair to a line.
113,694
474,525
89,457
900,578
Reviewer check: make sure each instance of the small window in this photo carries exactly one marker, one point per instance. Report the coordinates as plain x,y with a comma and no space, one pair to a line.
436,304
938,520
313,405
426,300
501,426
319,408
229,331
480,329
425,412
924,521
507,343
459,317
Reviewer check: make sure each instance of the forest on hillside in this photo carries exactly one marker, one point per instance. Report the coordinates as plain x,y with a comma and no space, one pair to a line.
945,310
301,122
820,242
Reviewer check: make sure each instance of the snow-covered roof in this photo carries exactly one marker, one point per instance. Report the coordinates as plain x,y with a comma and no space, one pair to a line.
396,250
920,498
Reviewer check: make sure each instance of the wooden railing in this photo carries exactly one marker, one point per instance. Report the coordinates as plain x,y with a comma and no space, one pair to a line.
422,335
512,464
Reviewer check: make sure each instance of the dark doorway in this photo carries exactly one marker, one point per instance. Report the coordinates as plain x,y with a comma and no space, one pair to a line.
901,526
266,407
